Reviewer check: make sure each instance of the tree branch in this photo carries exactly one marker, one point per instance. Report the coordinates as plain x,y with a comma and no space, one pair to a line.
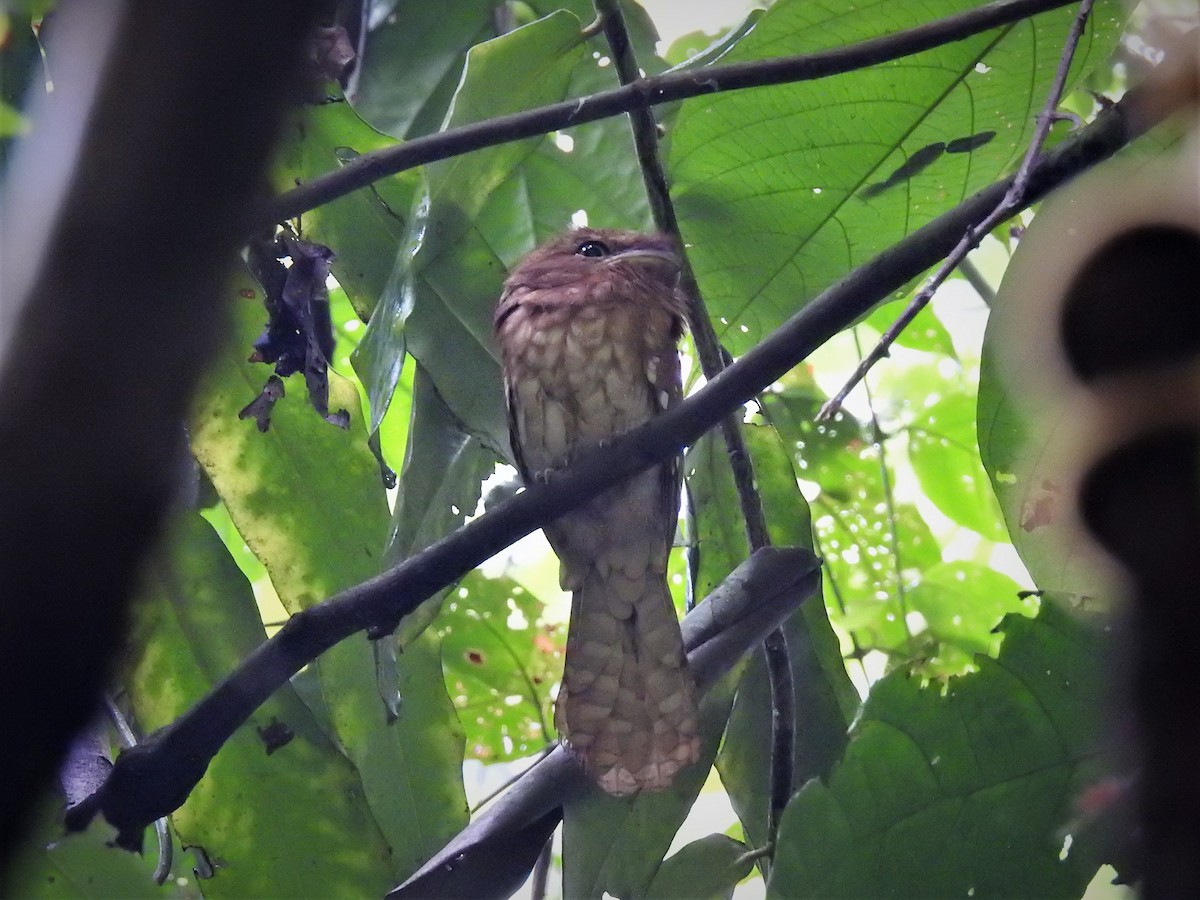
647,92
155,778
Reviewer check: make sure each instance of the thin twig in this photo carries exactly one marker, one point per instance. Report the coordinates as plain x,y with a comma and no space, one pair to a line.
755,854
712,363
162,833
970,240
644,93
888,500
156,776
975,278
541,870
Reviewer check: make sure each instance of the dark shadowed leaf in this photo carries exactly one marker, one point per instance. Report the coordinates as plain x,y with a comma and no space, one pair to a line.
53,865
444,468
961,793
412,59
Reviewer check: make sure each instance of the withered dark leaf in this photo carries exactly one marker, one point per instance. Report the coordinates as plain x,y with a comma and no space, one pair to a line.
275,735
329,53
260,407
299,332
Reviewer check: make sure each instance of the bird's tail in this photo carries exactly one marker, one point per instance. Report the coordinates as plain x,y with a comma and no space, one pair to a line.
627,705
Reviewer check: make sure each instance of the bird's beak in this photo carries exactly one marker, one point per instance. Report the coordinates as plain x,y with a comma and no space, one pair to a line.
645,256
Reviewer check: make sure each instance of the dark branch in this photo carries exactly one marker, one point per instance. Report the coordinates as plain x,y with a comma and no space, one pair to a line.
647,92
155,778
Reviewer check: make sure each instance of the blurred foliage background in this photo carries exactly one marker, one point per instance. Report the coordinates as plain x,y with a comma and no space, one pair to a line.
946,710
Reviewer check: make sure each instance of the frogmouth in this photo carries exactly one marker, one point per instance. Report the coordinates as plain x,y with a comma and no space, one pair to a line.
588,327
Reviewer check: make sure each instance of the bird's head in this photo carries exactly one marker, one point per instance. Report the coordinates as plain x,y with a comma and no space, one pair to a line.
589,265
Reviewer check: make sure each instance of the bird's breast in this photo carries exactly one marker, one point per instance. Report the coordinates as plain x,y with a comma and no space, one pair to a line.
577,376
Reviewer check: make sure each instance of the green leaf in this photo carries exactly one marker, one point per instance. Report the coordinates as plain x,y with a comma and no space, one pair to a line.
500,660
944,455
781,191
282,816
308,499
51,864
962,604
873,546
439,487
707,868
411,62
1019,434
962,792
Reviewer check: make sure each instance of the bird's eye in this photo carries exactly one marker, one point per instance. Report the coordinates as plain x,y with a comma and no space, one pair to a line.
592,248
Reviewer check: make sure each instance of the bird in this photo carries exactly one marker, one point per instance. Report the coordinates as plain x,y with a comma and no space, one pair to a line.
588,327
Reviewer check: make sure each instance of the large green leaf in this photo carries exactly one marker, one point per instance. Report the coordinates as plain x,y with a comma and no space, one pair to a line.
781,190
308,499
411,62
962,792
280,811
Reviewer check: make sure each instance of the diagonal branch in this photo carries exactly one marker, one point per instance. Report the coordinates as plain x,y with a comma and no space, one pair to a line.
647,92
1005,208
156,777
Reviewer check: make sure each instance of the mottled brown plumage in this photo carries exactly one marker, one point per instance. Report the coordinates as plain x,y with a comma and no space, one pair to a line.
588,328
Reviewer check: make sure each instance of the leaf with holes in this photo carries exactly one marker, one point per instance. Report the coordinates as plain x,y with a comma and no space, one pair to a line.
784,190
500,661
873,546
